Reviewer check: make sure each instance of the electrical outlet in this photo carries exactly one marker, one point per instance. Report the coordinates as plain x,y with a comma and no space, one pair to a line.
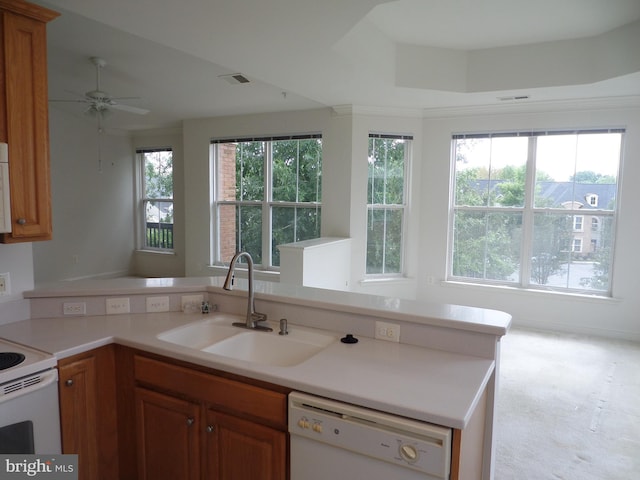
5,286
74,308
191,303
117,305
388,331
157,304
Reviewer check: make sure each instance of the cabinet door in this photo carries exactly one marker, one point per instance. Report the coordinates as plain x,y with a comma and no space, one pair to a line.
26,122
88,418
167,437
243,450
78,420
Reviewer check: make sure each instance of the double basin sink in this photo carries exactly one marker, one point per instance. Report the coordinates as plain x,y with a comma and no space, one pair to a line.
216,335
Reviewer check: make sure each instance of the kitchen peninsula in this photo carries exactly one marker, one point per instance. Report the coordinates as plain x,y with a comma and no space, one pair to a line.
443,370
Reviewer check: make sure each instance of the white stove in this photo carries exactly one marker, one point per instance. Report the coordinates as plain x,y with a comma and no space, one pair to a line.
29,414
18,361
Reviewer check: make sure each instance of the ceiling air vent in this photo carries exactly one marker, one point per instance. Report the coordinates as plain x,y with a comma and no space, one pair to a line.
234,78
513,98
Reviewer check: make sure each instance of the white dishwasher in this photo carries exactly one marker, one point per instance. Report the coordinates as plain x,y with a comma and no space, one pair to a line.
334,441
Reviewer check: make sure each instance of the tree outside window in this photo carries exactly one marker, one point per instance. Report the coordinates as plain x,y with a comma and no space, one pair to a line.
268,193
521,201
157,197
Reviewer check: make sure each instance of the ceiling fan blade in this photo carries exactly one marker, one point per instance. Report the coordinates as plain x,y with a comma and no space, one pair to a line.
55,100
128,108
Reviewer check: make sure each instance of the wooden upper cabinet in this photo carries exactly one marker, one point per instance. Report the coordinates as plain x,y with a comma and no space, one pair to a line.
24,122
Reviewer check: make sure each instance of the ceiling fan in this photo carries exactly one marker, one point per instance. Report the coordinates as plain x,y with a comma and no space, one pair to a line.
100,103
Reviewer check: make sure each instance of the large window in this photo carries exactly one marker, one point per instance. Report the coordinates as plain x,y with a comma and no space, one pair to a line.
157,198
267,192
386,203
521,201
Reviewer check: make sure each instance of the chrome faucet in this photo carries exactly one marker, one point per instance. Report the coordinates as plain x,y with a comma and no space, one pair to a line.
253,317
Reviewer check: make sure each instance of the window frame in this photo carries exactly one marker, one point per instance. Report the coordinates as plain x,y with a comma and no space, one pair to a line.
143,200
266,204
529,210
390,207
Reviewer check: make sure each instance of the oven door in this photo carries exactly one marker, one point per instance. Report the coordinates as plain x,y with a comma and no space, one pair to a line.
29,415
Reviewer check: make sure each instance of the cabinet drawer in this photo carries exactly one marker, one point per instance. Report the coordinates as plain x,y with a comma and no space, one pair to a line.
225,394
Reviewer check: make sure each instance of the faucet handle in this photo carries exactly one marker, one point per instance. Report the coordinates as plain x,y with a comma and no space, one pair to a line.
283,327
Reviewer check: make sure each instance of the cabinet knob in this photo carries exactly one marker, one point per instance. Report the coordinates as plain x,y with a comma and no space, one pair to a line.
69,383
190,421
210,428
22,221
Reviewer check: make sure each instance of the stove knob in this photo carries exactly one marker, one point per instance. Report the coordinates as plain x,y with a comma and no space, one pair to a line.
317,427
303,423
69,383
409,453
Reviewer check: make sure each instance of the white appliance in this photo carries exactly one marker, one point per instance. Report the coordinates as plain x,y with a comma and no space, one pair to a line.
5,203
332,440
29,412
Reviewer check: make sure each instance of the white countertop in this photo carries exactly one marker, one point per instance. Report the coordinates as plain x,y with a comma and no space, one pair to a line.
421,383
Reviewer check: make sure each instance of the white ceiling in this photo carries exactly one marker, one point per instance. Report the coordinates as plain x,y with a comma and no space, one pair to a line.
299,54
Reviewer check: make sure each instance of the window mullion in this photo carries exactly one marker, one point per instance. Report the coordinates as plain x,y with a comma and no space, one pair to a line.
266,205
528,214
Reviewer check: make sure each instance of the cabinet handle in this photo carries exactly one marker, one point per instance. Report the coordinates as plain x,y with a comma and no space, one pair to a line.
22,221
190,421
69,383
210,428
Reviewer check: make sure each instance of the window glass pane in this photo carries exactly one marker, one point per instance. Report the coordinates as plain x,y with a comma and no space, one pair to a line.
310,174
158,172
386,171
491,171
227,233
226,163
577,170
250,171
297,170
384,241
159,224
249,231
487,245
293,224
568,258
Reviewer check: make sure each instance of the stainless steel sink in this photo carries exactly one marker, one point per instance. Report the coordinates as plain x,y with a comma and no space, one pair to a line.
216,335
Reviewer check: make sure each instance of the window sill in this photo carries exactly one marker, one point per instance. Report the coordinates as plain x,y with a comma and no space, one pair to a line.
569,296
155,252
385,280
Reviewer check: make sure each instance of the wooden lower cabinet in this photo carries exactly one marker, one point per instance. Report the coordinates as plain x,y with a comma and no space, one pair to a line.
88,416
195,425
241,449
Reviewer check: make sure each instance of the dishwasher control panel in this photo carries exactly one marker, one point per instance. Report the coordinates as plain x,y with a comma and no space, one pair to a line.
409,443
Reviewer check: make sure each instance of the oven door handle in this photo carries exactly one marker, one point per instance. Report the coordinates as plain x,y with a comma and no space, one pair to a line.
25,385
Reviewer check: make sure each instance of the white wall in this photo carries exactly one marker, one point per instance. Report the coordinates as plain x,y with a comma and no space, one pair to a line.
17,261
92,211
